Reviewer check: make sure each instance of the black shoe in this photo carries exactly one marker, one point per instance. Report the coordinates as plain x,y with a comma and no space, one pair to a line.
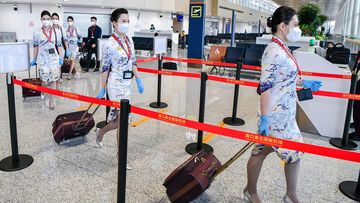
96,69
352,125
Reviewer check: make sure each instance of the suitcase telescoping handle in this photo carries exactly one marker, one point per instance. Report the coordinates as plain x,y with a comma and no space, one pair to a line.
232,159
36,72
83,116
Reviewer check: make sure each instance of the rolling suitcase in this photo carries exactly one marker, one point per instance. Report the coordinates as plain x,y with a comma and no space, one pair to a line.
195,175
26,92
74,124
65,68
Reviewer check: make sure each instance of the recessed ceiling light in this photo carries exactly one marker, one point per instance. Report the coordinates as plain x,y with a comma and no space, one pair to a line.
4,1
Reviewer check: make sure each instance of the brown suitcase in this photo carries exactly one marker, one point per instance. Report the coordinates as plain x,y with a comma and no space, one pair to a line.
194,176
26,92
74,124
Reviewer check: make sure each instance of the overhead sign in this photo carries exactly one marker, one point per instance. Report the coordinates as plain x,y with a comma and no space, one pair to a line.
196,11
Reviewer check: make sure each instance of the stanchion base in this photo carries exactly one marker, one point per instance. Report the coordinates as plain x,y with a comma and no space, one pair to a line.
101,124
192,148
348,188
160,105
8,165
234,122
354,136
337,142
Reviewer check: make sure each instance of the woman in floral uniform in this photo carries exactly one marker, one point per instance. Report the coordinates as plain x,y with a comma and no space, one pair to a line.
74,38
119,54
279,78
46,55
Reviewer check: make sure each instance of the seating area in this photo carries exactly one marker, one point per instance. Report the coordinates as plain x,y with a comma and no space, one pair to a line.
249,37
251,55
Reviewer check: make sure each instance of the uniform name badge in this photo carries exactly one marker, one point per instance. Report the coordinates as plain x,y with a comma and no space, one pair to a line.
52,51
128,75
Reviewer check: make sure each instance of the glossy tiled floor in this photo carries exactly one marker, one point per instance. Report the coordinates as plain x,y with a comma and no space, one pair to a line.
81,172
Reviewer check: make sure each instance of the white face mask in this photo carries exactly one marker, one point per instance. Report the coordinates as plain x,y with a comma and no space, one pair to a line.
294,34
55,22
123,27
46,23
71,23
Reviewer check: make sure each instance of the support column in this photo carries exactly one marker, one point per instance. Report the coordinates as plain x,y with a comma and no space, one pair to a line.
196,30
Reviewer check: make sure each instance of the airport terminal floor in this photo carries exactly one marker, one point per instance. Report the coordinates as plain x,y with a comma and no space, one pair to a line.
79,171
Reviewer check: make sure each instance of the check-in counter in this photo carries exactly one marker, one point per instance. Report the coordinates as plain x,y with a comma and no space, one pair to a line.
162,33
322,115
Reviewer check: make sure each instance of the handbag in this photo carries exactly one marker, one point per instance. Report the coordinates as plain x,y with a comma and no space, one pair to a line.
304,94
338,54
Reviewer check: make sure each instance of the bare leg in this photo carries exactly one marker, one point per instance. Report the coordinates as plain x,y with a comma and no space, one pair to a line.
110,126
51,97
72,67
292,176
254,166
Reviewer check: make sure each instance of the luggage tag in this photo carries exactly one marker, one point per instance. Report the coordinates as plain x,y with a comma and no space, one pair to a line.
128,75
52,51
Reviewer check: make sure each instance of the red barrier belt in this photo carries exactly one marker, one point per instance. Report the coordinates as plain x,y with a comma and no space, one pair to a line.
246,83
250,67
309,148
67,94
146,60
199,61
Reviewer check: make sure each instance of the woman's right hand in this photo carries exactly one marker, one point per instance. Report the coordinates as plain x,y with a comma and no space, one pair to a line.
264,125
101,94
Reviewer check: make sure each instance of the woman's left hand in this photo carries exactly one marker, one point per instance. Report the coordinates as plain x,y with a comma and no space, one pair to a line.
314,85
140,85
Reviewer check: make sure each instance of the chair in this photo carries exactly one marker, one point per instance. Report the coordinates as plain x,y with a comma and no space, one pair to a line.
253,56
258,46
233,54
217,53
242,45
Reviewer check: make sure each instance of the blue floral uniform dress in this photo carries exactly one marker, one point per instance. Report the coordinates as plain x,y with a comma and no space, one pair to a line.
61,35
48,57
116,57
74,37
279,75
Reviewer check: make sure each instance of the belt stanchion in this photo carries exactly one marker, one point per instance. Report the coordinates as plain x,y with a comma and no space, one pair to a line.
193,148
158,104
233,120
351,189
344,142
122,149
16,161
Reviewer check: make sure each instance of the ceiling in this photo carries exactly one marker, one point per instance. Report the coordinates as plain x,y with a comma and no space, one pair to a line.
330,8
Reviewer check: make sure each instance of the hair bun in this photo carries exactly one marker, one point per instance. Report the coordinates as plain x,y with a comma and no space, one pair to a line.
269,22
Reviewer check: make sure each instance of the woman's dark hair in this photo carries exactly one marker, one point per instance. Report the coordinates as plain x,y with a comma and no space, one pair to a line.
45,13
71,18
117,13
282,14
55,14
